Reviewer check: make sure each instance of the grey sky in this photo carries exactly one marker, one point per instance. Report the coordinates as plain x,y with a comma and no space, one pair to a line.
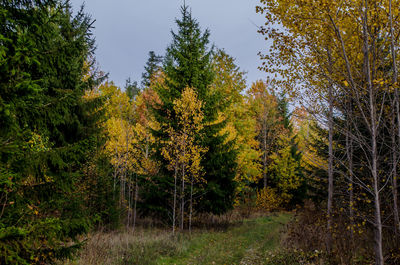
126,30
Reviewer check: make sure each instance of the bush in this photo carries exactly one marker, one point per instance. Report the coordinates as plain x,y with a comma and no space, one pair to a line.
268,200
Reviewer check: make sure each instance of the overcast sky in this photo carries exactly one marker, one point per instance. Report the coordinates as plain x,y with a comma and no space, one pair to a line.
126,30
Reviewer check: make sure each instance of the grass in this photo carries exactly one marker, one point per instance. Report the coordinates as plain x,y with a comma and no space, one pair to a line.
244,244
250,242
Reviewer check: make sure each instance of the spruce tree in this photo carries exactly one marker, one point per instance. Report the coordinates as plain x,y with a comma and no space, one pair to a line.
47,129
131,88
283,108
188,63
153,64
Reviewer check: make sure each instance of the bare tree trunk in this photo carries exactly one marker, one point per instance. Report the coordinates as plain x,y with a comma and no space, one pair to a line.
191,205
395,145
394,174
378,221
330,160
135,204
264,139
129,204
349,153
122,193
374,156
129,181
121,190
115,181
183,197
174,207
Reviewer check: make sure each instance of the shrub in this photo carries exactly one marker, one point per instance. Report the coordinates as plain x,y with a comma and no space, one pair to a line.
268,200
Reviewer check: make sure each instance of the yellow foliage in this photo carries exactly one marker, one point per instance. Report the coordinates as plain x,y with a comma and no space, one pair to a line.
268,200
181,149
128,130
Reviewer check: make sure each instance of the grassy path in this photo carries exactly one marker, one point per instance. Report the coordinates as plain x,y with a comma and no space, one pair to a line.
248,243
253,242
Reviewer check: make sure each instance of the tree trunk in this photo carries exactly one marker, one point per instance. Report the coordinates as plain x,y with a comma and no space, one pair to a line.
374,156
394,175
349,154
183,197
264,139
191,205
135,204
129,204
395,145
330,161
174,207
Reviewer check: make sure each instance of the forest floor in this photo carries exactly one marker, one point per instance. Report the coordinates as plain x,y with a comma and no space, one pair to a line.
251,241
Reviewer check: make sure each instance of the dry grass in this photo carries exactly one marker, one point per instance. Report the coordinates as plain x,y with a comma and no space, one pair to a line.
128,247
227,239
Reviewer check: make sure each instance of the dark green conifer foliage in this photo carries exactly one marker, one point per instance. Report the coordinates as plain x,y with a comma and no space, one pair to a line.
283,108
47,129
188,64
132,89
153,64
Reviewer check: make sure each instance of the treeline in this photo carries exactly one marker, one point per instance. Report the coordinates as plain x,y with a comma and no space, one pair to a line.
77,152
341,61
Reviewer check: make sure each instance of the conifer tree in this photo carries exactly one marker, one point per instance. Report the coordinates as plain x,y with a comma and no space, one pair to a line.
47,129
131,88
153,65
188,64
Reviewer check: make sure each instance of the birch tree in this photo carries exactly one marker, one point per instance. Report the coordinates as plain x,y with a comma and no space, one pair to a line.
339,58
182,149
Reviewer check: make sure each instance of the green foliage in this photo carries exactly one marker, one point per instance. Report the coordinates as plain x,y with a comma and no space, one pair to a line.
131,88
152,66
47,129
287,172
230,83
188,64
60,175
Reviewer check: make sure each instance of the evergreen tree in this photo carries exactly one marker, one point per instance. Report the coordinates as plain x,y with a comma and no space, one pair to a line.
151,67
188,63
283,108
47,129
131,88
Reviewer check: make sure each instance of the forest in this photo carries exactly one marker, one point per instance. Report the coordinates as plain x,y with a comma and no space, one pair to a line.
192,164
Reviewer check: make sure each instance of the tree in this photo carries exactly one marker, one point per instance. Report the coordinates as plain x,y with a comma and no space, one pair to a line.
181,150
188,64
286,170
131,88
265,110
230,83
342,60
48,130
152,66
129,144
120,145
